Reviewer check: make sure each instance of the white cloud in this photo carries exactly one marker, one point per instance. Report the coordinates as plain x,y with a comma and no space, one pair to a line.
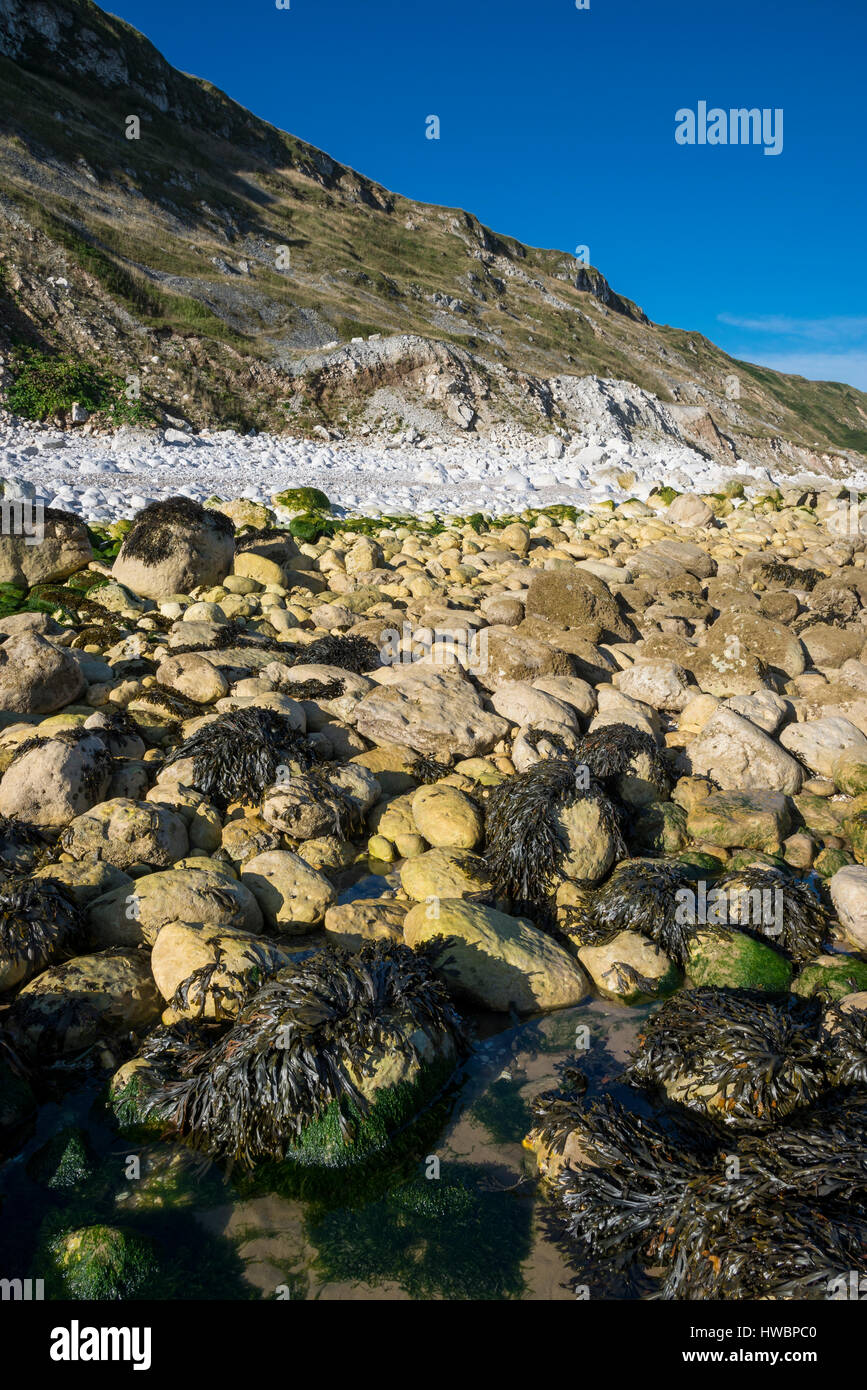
838,328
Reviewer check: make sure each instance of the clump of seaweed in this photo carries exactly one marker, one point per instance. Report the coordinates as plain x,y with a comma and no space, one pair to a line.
428,770
201,988
789,576
302,1044
524,846
350,653
115,727
315,690
632,1179
771,903
642,896
844,1045
101,635
748,1059
22,846
171,701
610,751
39,923
236,756
154,535
779,1214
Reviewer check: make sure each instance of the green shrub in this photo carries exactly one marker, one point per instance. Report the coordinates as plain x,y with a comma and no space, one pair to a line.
45,385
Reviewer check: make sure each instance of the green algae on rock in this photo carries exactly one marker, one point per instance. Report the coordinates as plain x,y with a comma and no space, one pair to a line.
733,960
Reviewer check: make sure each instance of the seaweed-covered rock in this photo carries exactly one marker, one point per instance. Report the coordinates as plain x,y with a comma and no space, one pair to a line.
642,1195
321,1067
743,1058
646,896
547,822
444,873
173,547
39,923
771,903
366,919
499,962
70,1007
629,968
236,756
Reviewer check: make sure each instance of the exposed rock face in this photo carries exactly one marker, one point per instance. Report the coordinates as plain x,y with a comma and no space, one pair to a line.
122,833
173,547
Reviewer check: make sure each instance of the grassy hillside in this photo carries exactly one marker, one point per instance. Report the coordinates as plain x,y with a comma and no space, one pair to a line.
227,249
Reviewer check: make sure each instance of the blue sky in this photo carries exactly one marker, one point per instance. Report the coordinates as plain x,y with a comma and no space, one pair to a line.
558,127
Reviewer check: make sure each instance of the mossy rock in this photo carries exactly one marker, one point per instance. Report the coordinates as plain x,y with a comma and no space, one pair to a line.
101,1262
733,960
855,830
832,977
819,815
369,1133
746,858
302,499
698,859
659,828
64,1162
850,773
666,495
828,861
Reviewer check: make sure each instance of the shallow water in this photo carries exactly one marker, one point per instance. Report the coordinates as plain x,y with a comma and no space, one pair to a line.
461,1216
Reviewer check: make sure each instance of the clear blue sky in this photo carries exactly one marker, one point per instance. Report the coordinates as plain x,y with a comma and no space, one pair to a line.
557,126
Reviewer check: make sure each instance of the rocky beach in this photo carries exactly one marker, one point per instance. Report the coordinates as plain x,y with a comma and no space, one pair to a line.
433,687
307,819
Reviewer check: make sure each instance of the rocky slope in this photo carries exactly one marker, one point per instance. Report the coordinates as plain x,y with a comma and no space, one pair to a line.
222,263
